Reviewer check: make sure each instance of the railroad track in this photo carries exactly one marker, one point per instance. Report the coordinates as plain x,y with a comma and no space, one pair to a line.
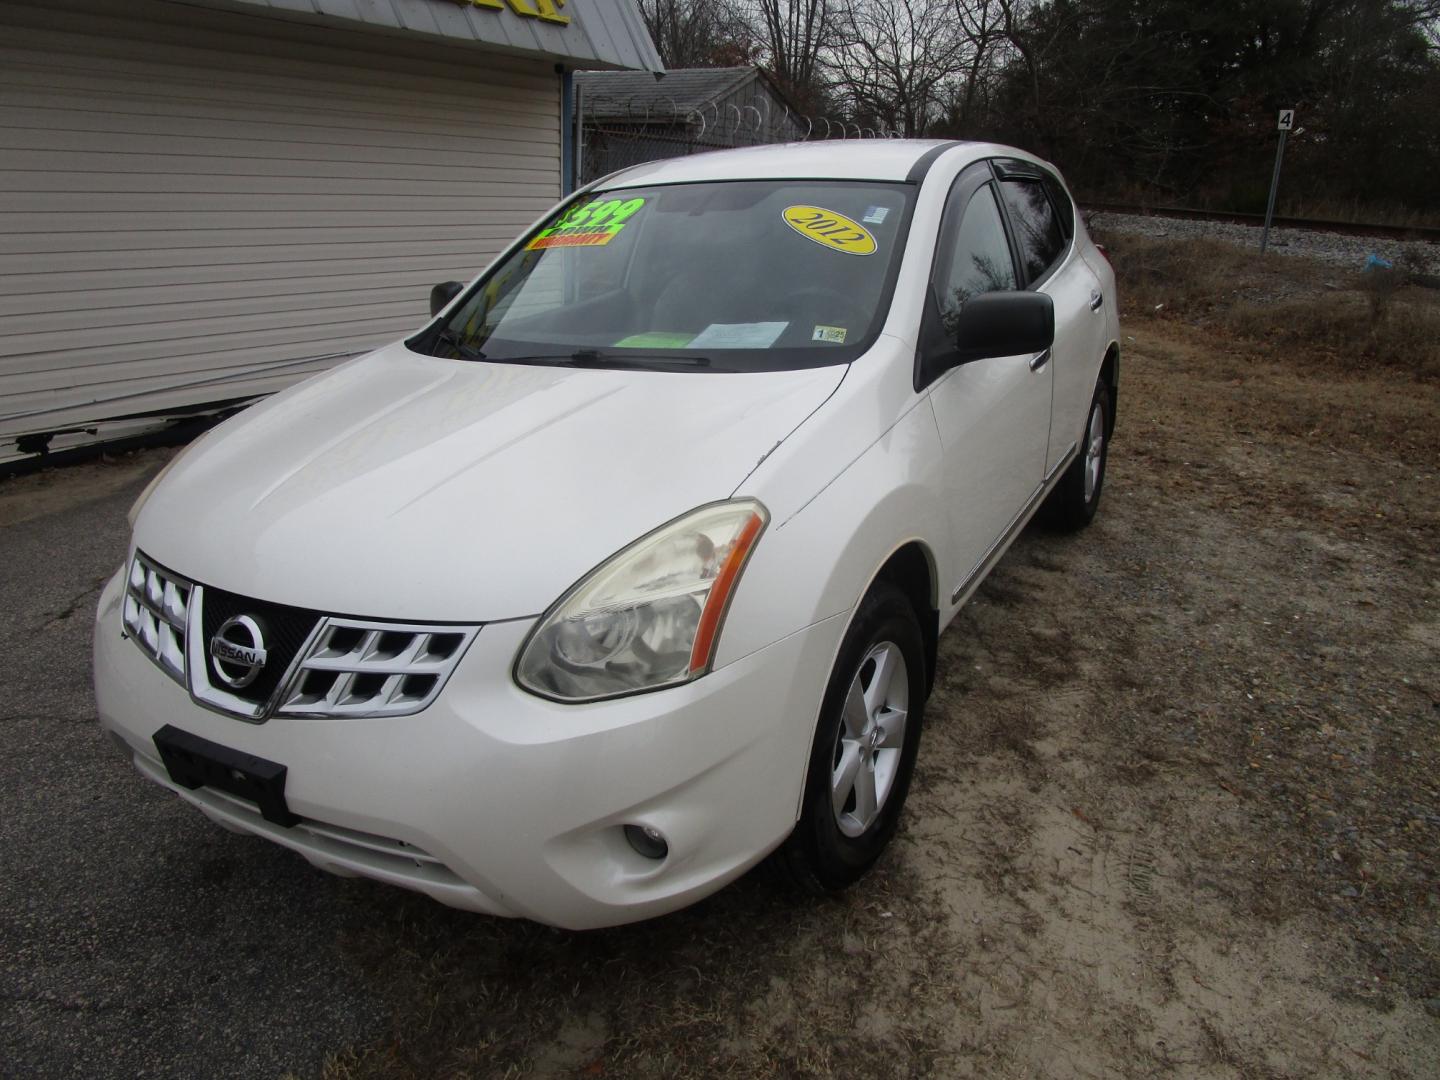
1346,228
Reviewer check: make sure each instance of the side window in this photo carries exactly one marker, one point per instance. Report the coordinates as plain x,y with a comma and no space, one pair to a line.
1037,228
1063,206
980,260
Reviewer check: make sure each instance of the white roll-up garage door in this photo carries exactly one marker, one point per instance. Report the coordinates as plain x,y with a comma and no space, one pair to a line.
199,206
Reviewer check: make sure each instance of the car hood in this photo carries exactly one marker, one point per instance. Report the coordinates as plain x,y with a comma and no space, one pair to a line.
402,486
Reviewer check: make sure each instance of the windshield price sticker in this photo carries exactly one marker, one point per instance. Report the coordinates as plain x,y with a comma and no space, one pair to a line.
829,229
593,225
655,339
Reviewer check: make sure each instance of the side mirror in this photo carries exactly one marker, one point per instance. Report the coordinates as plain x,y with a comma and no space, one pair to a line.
1004,324
989,325
442,294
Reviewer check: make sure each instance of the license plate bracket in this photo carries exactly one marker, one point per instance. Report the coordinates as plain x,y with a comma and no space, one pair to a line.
193,762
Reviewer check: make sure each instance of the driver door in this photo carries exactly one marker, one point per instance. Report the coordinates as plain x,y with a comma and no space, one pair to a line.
993,415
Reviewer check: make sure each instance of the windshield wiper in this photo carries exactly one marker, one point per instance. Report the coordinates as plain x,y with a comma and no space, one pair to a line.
463,348
597,358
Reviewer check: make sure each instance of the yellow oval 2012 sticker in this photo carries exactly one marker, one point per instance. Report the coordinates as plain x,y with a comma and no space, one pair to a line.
829,229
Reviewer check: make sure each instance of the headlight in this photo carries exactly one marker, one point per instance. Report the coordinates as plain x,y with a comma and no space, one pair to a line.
649,617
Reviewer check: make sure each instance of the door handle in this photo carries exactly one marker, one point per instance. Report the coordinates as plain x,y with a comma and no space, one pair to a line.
1096,299
1039,360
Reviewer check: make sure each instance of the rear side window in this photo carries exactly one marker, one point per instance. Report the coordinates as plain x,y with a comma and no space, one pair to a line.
980,260
1064,208
1037,227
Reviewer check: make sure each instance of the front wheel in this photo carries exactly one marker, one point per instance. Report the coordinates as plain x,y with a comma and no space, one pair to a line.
1076,497
865,746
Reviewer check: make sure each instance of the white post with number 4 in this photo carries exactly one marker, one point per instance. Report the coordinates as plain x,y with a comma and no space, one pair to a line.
1285,124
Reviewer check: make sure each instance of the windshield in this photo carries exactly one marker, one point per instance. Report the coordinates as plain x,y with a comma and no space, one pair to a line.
735,275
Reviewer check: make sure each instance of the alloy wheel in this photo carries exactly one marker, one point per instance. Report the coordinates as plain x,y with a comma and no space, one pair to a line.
1094,450
872,737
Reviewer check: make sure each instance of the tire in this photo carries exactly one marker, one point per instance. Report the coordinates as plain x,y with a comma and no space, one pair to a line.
838,837
1072,505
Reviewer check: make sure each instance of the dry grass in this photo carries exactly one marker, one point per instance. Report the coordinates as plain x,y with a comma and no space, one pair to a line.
1320,209
1353,210
1285,306
1404,334
1159,274
1314,208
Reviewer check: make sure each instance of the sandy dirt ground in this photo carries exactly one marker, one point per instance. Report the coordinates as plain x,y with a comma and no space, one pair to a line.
35,495
1176,811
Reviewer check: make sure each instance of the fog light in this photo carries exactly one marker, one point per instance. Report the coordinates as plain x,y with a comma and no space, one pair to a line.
647,841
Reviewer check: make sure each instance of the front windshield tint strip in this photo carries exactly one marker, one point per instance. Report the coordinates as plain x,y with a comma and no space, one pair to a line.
744,275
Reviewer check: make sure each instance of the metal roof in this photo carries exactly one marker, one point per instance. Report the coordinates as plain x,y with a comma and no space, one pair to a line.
640,97
599,34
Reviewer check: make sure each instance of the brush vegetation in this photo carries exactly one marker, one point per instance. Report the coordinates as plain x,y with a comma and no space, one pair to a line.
1284,305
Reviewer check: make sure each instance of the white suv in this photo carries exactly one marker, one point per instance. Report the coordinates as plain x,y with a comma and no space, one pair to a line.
628,569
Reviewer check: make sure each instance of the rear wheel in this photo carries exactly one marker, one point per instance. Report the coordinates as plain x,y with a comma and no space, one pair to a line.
1076,497
865,746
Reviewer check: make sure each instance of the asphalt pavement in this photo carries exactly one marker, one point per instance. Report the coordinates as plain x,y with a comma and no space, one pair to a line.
137,939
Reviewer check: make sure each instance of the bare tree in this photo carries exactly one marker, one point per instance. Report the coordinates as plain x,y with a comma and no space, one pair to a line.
895,60
981,26
697,33
793,36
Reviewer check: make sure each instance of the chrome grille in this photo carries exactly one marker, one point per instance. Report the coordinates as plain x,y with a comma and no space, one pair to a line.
326,666
156,613
357,667
287,631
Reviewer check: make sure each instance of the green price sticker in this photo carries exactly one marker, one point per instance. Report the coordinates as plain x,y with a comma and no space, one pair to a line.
593,225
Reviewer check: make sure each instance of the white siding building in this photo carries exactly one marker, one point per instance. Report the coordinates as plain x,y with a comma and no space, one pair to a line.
205,201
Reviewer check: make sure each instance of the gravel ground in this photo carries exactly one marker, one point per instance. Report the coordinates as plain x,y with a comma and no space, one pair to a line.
1347,252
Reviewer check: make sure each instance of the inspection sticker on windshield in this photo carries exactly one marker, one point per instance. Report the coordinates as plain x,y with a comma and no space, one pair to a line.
829,229
833,334
876,215
593,225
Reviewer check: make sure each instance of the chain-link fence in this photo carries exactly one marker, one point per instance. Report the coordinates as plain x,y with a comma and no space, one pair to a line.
618,132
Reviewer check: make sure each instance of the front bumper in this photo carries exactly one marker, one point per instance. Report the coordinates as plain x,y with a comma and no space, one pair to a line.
497,801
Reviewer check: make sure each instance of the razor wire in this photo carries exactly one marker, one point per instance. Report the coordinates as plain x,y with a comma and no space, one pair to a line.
618,132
